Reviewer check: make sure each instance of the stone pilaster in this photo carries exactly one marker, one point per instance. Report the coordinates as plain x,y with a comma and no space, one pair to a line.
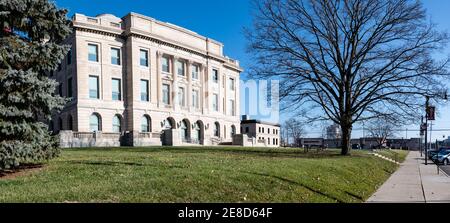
175,84
189,87
158,78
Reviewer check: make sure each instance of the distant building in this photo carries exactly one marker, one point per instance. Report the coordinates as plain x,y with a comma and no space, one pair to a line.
334,132
258,133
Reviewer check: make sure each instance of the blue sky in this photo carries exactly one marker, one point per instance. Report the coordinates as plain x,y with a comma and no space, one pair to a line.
223,20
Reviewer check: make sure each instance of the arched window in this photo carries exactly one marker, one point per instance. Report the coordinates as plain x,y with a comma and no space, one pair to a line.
95,123
117,127
233,131
145,124
216,129
70,123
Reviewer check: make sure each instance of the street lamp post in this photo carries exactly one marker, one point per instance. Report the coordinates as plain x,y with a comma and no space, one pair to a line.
429,115
426,129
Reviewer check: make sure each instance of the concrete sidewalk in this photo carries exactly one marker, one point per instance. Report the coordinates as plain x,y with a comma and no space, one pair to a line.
414,182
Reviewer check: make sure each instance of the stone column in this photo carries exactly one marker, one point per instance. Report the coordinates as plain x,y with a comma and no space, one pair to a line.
158,78
204,97
175,84
189,87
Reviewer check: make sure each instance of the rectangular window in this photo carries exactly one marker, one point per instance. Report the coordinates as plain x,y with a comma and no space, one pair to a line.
166,94
115,56
165,64
69,57
116,90
215,76
69,87
93,87
181,97
144,90
195,72
215,102
232,108
143,58
232,87
246,129
60,90
93,52
195,98
180,68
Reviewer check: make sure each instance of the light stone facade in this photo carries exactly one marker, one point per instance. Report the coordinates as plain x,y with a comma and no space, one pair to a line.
185,120
258,134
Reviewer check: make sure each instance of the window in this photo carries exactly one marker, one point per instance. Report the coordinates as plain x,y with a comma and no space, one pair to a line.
195,71
69,87
215,76
95,123
116,90
166,94
143,58
145,123
93,52
231,107
233,131
231,83
69,57
93,87
115,56
259,129
60,90
195,98
268,141
216,129
70,123
263,129
180,67
181,97
215,102
165,64
144,90
273,142
247,129
117,128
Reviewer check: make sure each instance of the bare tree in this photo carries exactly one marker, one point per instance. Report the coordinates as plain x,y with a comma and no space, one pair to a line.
348,60
294,130
381,129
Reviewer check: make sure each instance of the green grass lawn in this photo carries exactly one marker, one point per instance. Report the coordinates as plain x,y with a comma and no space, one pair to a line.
400,155
200,175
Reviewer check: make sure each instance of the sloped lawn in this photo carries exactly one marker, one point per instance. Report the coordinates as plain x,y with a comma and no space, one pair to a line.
218,174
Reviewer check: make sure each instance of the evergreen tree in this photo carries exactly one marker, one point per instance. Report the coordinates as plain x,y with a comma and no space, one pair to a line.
31,46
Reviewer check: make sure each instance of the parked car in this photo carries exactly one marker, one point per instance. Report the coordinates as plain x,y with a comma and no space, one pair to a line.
432,153
356,146
442,157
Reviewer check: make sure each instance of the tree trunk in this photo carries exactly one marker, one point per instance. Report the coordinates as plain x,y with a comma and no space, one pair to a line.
346,139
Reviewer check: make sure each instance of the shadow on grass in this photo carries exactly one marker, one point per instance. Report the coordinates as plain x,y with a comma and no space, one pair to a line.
119,163
298,184
263,152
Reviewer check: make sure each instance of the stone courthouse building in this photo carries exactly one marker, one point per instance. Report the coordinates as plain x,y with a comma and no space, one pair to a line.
137,81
